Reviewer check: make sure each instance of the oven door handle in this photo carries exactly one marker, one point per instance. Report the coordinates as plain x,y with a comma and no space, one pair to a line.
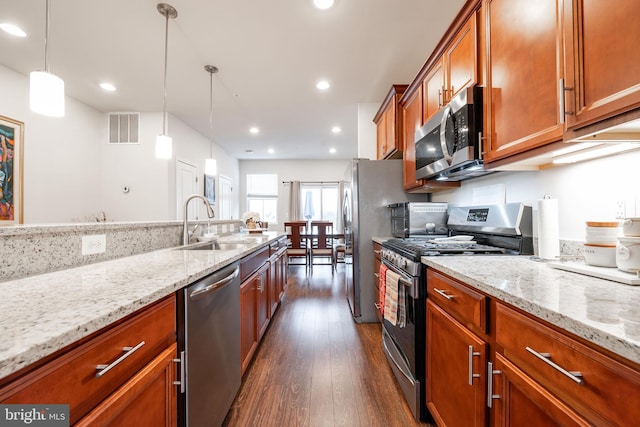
411,380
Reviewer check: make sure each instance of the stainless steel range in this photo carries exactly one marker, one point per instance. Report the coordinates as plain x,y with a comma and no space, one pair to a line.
504,229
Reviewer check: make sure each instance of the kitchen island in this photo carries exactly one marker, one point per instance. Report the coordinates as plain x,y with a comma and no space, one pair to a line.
45,313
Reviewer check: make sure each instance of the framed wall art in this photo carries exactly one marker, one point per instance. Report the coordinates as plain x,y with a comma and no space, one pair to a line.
11,174
210,188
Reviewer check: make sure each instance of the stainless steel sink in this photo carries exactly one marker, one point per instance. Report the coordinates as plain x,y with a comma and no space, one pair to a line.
214,246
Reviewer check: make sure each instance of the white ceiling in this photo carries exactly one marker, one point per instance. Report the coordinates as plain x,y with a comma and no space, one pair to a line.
270,55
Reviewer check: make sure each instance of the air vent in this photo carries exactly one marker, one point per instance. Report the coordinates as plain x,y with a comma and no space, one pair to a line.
124,128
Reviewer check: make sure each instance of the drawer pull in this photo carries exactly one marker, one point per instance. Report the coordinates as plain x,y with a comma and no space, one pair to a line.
181,381
441,292
103,369
377,305
546,358
377,252
490,373
471,374
376,275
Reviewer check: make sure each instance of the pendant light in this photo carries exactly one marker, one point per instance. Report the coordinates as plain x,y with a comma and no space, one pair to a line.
163,141
210,166
46,90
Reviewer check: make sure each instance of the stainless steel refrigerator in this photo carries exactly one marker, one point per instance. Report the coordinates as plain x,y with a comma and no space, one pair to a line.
370,185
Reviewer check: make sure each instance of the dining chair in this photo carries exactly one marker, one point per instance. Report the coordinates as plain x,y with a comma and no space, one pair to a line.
297,244
321,242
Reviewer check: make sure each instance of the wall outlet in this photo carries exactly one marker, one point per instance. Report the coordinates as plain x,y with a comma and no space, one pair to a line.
620,209
94,244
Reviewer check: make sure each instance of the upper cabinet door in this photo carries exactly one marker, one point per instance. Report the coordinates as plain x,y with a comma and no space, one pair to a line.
412,122
524,51
602,58
433,90
461,59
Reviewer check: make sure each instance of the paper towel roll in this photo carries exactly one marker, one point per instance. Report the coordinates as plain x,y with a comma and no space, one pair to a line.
548,229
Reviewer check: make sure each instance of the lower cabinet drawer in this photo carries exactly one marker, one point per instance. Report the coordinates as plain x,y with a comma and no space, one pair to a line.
602,389
461,302
85,375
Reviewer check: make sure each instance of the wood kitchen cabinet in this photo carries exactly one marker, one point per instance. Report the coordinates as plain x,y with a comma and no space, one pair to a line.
520,401
585,381
253,314
433,91
412,121
149,398
518,370
602,59
388,122
456,375
133,385
457,352
263,276
524,65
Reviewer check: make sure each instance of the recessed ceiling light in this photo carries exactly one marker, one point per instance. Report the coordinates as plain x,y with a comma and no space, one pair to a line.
271,151
332,150
248,151
336,129
107,86
13,30
323,85
323,4
254,130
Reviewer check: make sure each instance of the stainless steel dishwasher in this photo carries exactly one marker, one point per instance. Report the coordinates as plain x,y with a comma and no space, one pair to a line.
211,353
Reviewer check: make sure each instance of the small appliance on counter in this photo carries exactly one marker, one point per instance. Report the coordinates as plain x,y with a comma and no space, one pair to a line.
418,219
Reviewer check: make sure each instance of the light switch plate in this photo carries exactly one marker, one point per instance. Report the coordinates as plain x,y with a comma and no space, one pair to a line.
94,244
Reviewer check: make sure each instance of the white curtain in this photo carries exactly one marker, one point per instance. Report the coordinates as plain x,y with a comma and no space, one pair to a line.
294,201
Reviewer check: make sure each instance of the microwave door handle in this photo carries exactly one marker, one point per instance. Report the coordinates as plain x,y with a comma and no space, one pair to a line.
443,133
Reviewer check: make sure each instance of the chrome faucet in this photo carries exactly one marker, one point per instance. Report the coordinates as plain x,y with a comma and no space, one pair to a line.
185,230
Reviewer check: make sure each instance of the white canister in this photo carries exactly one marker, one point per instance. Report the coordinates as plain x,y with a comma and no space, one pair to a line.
628,254
631,227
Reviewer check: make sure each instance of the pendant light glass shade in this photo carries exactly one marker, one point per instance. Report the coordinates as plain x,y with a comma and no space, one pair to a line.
210,167
46,90
164,147
46,94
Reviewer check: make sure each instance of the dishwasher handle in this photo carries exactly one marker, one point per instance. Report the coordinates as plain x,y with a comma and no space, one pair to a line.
214,286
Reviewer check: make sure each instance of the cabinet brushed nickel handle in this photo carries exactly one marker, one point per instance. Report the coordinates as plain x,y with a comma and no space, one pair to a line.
546,358
103,369
471,374
441,292
561,101
181,381
377,275
490,373
377,252
377,305
440,99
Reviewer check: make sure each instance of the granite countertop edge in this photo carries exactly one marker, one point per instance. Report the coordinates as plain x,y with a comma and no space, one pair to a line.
44,313
603,312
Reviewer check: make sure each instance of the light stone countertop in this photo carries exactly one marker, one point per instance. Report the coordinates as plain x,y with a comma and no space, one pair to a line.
44,313
603,312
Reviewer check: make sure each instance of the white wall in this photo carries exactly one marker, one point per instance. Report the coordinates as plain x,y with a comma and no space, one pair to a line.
367,135
71,173
585,191
290,170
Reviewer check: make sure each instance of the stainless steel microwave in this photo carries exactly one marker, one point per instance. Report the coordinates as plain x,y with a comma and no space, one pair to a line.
448,146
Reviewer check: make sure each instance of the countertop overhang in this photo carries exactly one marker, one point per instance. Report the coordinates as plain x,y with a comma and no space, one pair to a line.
45,313
600,311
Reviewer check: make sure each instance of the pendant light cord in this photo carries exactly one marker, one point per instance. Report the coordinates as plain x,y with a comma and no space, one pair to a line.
164,95
46,39
211,113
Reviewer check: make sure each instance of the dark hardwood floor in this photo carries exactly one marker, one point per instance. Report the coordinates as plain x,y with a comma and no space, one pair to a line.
317,367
